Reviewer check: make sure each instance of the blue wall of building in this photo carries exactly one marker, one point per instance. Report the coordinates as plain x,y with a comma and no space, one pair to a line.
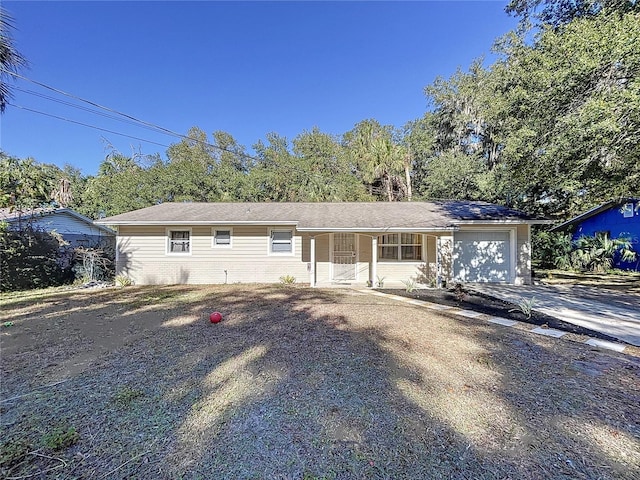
614,222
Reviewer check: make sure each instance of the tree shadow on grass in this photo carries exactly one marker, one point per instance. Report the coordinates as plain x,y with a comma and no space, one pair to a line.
326,384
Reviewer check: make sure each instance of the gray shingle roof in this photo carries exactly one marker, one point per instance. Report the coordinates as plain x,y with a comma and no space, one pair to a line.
373,216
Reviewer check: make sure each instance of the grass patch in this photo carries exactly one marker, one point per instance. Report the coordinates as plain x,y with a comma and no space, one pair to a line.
60,438
126,395
13,452
29,296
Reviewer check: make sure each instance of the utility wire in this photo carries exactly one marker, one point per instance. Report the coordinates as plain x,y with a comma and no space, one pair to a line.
133,121
372,189
79,107
85,124
150,125
97,105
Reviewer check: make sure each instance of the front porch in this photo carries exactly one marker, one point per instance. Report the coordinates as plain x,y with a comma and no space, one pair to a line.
371,259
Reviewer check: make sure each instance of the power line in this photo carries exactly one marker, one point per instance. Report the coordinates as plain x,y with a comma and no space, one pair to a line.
85,124
79,107
97,105
150,125
133,121
373,189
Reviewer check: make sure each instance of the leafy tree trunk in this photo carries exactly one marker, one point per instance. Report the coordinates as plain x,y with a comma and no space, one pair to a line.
407,175
389,186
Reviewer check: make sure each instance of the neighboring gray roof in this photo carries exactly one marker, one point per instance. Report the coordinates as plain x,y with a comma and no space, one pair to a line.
363,216
12,215
594,211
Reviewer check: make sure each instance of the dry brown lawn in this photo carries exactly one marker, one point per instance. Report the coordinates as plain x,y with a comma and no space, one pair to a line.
300,384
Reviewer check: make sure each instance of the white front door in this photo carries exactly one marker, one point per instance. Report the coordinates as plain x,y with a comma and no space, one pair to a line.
344,256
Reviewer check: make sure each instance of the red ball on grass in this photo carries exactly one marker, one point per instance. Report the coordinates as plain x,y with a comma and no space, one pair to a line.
215,317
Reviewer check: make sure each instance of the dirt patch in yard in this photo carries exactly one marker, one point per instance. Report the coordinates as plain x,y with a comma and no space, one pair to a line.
301,384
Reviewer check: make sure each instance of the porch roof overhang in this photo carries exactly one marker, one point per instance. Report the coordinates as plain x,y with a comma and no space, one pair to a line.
377,231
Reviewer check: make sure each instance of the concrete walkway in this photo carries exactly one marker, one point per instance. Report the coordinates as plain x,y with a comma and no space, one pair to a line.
613,313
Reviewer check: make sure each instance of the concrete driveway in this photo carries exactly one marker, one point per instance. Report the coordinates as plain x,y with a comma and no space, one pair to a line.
607,311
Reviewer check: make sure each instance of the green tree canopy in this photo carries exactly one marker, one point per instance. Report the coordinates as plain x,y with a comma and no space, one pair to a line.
561,12
556,122
26,183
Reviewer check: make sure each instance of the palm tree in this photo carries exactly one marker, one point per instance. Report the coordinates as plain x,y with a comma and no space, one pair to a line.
376,157
10,59
597,253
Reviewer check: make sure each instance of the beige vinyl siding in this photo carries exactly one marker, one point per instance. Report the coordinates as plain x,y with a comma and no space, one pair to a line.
364,258
142,256
400,271
323,267
430,273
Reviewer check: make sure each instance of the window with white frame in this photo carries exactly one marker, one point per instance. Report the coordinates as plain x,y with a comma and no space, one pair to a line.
222,237
627,210
281,242
179,242
400,247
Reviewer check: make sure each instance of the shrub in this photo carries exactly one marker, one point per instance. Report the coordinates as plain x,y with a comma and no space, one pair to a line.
459,292
94,263
410,285
588,253
287,279
31,258
123,281
597,253
552,249
525,306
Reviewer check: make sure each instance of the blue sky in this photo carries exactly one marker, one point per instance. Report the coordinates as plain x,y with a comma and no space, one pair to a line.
248,68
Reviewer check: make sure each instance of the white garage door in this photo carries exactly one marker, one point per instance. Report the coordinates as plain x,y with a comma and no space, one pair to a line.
482,257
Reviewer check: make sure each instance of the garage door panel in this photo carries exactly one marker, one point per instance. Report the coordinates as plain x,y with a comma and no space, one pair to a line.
482,257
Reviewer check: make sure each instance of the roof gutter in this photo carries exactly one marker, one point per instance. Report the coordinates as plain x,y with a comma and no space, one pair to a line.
377,230
506,222
162,223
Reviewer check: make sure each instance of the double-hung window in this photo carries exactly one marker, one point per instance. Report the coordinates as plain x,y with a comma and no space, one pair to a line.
627,210
222,237
400,247
281,242
179,242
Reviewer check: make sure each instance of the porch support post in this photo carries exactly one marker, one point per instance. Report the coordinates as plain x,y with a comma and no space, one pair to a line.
438,262
374,259
312,270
